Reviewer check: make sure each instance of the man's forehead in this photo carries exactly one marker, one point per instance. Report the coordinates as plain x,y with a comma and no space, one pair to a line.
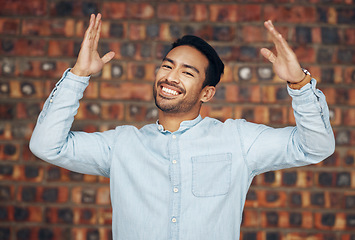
187,55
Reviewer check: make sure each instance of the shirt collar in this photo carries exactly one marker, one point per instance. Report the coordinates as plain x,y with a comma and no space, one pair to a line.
184,126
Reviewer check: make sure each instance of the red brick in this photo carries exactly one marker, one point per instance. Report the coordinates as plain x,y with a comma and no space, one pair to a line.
294,14
338,224
89,111
349,158
350,36
7,193
228,74
24,47
223,13
220,112
169,11
105,29
9,151
114,10
304,236
126,91
72,8
269,94
136,113
6,133
349,117
252,34
199,13
137,31
330,94
102,179
251,218
62,194
41,27
9,26
332,161
140,10
141,72
105,216
279,201
249,13
164,32
103,196
112,111
61,48
19,7
347,236
92,90
85,216
22,176
91,233
351,94
349,75
305,54
53,215
30,89
81,195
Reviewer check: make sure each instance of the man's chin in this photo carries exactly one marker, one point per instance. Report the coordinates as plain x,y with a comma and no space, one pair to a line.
167,108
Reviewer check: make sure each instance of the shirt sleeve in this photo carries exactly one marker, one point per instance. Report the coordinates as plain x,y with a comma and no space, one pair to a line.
52,140
309,142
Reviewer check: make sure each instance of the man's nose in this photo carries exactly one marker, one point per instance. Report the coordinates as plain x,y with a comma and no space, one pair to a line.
173,76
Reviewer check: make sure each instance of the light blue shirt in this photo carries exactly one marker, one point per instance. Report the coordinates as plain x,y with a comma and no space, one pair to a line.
190,184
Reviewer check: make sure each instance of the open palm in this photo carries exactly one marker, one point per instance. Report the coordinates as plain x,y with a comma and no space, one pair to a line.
285,63
89,61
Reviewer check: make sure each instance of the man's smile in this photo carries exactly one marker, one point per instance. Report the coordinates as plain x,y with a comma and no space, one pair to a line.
167,90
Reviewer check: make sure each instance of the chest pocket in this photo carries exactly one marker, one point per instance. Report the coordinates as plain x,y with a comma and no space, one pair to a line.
211,175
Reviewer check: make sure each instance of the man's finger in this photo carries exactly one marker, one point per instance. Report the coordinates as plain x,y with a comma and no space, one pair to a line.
107,57
97,22
91,25
97,37
268,54
279,41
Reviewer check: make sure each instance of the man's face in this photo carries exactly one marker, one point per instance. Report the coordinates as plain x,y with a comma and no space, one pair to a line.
178,84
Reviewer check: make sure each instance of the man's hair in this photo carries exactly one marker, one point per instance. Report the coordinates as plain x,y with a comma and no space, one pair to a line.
215,65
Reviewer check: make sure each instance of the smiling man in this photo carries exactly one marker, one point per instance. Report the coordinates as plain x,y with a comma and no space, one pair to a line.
184,177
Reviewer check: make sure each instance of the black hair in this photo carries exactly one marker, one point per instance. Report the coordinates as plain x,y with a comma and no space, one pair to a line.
215,65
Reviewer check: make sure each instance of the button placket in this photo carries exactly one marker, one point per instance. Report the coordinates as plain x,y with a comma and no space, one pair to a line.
175,185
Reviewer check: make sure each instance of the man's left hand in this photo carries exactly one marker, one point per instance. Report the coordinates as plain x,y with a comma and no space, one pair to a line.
285,62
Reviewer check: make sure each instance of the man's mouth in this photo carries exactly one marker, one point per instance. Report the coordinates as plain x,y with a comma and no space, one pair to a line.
169,91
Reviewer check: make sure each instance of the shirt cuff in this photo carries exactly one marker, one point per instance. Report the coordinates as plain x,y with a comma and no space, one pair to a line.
72,76
72,81
308,93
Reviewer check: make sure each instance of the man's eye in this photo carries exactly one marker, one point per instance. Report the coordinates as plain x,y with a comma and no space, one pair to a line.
166,66
188,73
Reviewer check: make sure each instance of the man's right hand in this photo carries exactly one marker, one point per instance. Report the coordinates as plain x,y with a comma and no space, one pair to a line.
89,61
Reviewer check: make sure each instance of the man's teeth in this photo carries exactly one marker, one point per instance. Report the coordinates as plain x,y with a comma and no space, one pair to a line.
170,91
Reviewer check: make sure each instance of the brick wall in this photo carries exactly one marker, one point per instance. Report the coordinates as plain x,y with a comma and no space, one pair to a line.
40,39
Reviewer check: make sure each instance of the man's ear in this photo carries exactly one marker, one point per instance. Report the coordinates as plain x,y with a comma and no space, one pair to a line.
207,93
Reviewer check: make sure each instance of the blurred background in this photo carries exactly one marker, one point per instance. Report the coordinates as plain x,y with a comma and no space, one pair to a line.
40,39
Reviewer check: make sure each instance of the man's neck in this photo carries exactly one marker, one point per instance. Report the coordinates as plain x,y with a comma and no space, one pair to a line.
171,121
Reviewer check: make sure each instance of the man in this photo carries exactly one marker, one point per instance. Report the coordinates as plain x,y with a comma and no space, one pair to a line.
184,177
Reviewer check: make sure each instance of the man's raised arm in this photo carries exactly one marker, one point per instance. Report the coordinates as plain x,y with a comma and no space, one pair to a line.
312,140
52,139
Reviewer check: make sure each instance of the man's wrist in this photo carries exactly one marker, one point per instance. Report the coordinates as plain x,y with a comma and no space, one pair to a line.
79,73
298,85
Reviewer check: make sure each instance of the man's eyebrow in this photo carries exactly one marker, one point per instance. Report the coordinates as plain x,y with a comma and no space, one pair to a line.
184,65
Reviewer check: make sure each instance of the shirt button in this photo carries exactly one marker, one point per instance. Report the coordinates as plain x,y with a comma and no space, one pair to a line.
51,100
174,136
174,161
159,127
173,220
176,190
